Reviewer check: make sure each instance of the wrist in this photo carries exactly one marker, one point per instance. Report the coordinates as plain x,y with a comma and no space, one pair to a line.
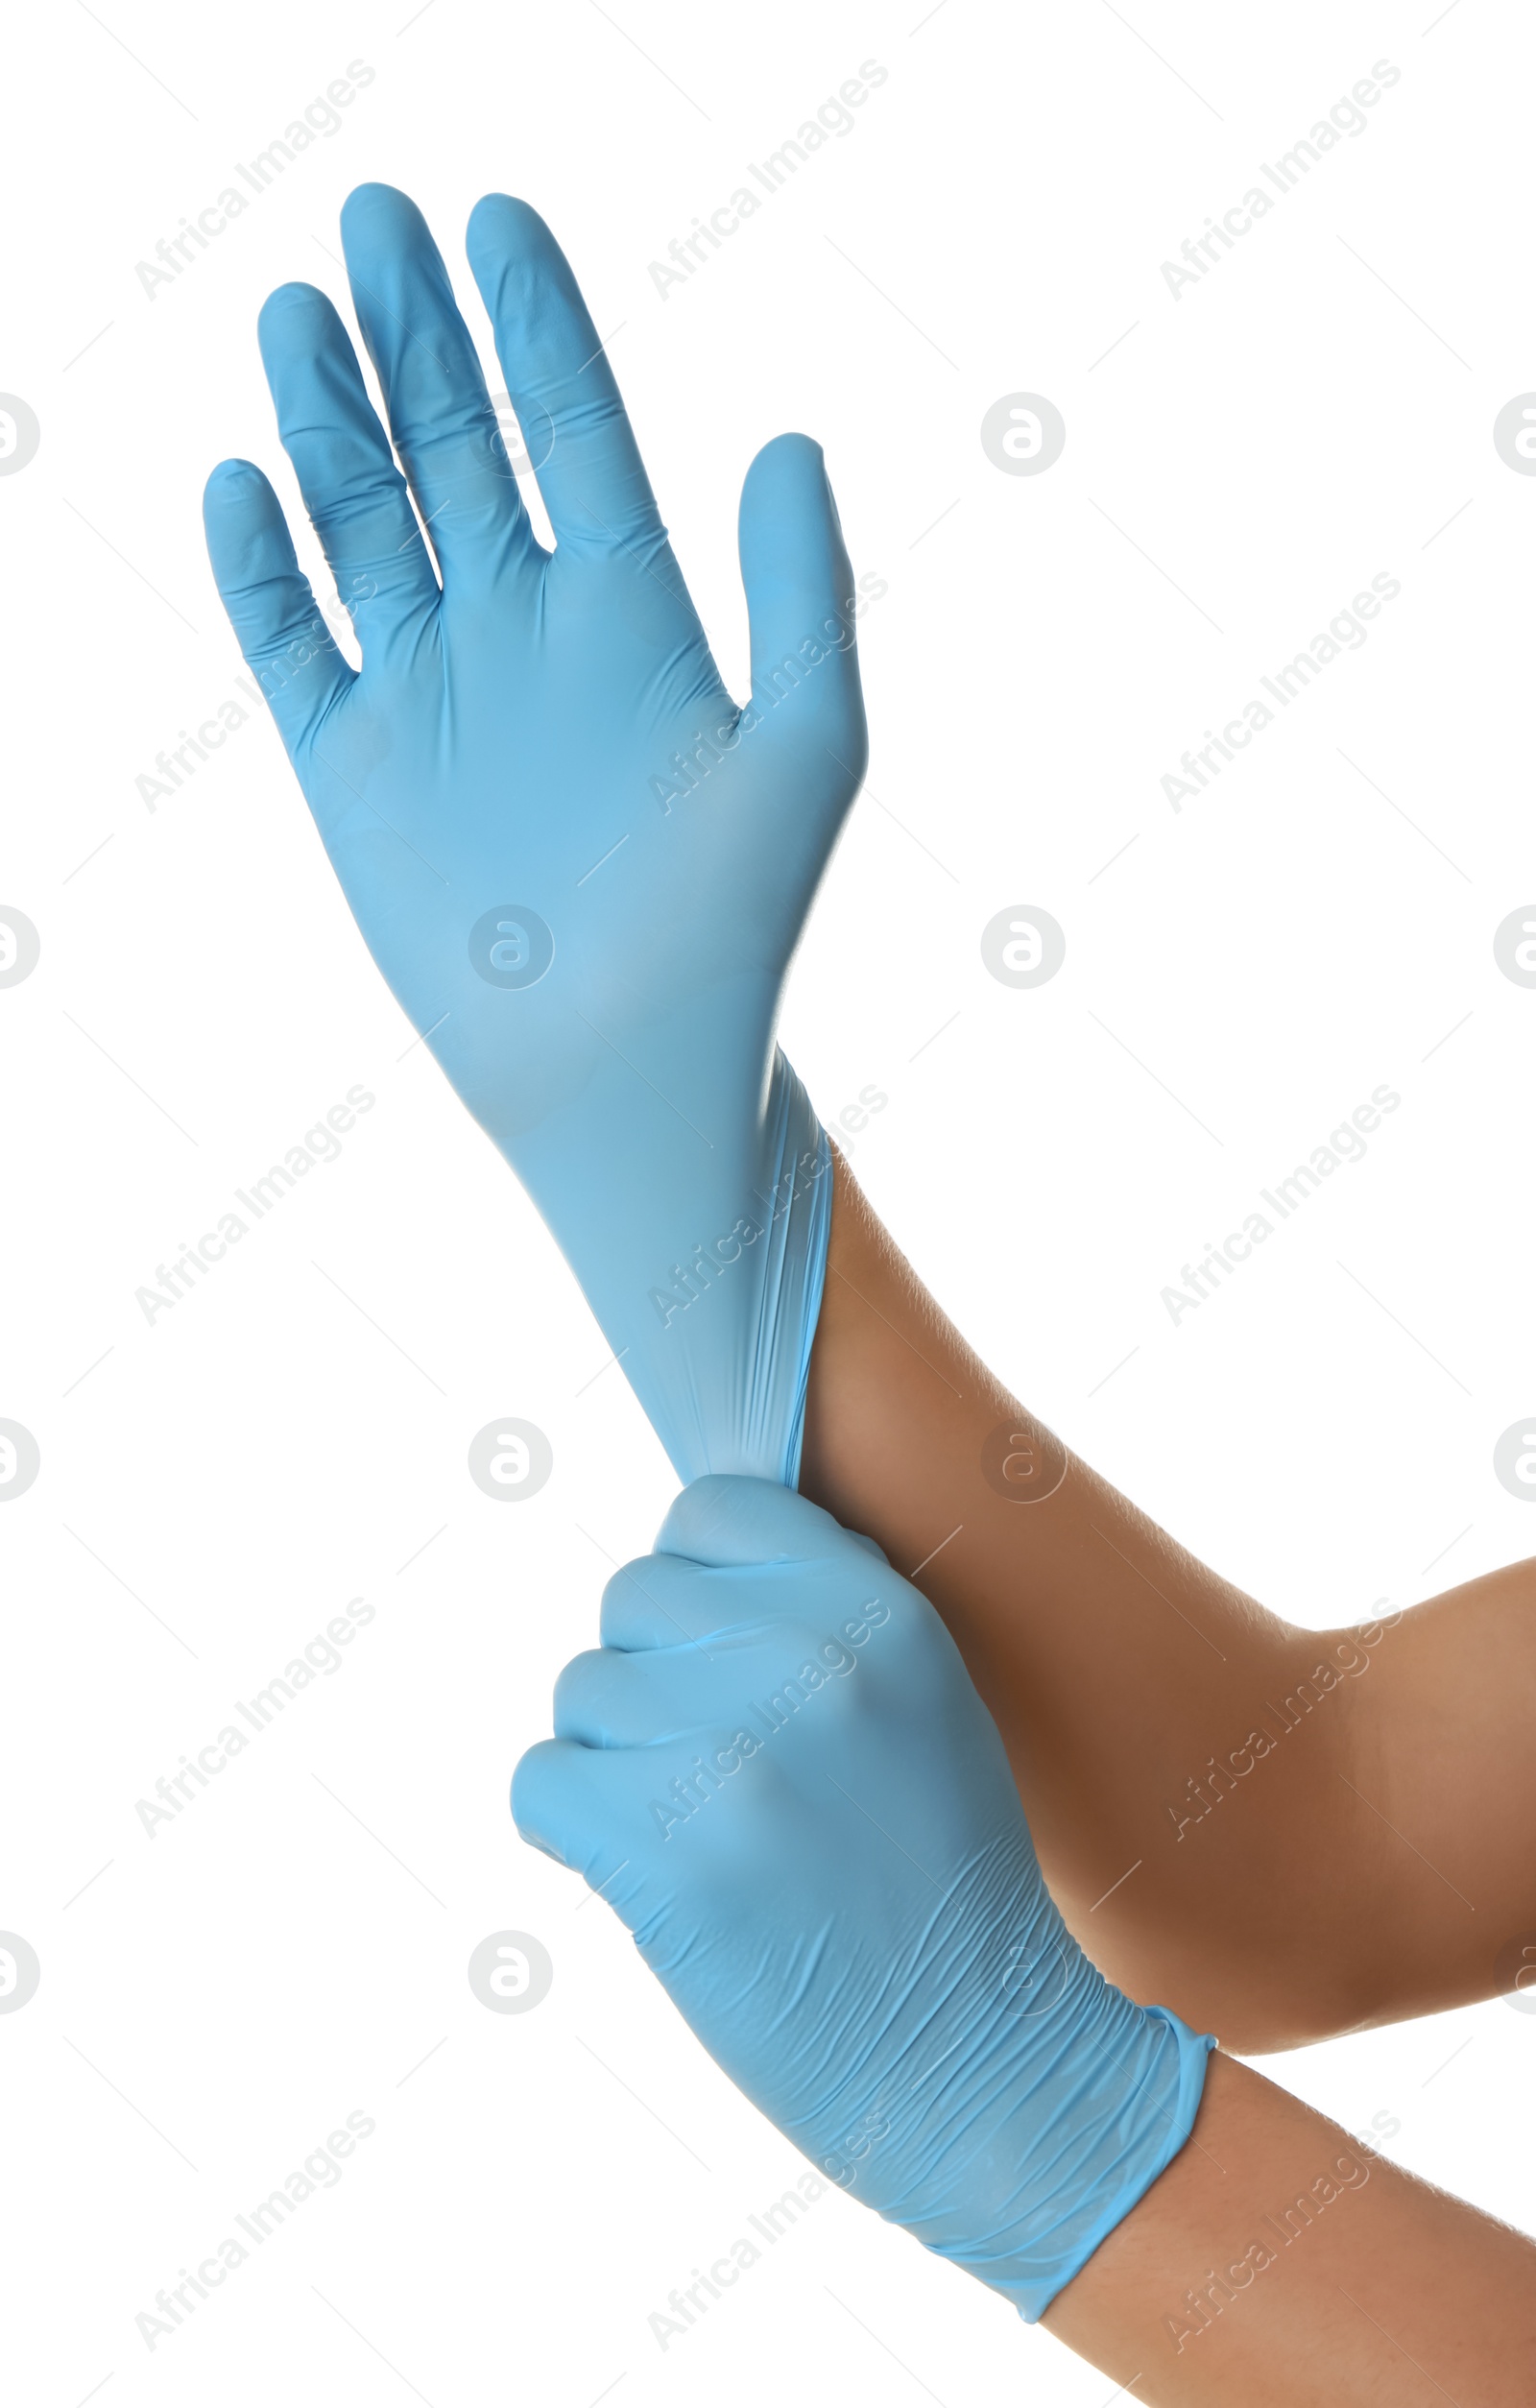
699,1236
1072,2098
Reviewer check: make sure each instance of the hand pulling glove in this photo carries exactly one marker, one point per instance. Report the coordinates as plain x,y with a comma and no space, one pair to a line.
582,866
777,1772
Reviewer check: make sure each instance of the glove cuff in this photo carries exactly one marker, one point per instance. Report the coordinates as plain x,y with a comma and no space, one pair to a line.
1154,2125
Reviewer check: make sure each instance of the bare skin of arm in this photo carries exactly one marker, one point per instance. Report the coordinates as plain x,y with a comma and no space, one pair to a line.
1278,2264
1328,1829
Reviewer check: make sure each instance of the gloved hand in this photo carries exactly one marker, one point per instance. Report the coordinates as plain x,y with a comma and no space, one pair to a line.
581,866
777,1772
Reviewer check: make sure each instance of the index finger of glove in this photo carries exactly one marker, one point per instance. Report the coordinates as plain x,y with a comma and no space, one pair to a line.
663,1601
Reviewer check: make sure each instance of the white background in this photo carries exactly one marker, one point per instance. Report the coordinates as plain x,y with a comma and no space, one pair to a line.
216,1487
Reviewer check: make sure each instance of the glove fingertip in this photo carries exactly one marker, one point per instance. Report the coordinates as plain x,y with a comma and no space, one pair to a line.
374,196
294,313
501,218
535,1793
245,528
234,481
787,477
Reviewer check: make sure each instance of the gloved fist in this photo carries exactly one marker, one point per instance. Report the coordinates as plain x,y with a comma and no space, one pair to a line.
777,1772
580,864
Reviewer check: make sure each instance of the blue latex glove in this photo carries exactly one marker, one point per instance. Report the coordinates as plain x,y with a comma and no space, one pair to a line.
777,1772
581,866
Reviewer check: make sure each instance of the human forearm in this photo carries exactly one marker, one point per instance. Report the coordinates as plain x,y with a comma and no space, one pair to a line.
1277,2263
1443,1772
1186,1758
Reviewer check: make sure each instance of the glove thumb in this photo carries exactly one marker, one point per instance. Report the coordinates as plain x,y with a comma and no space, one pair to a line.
800,601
